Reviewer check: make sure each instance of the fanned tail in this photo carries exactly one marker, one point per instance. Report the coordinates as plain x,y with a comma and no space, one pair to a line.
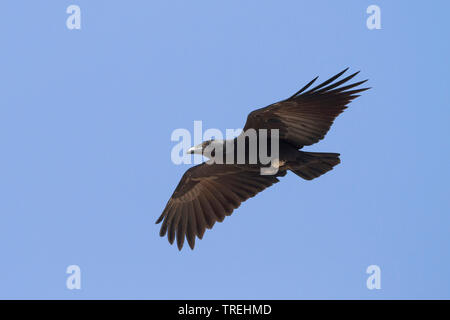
310,165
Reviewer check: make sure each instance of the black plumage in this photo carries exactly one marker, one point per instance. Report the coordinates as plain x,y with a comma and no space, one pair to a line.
207,193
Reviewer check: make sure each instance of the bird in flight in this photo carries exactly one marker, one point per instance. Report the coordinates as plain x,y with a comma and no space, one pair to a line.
209,192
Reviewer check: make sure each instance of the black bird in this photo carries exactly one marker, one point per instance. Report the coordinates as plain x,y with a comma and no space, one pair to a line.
209,192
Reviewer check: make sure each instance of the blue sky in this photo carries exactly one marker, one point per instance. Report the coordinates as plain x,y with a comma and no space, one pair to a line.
85,123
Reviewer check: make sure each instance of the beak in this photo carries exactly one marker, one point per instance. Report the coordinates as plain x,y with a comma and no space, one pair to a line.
197,149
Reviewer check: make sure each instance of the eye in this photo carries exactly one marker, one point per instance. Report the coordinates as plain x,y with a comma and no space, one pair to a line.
213,153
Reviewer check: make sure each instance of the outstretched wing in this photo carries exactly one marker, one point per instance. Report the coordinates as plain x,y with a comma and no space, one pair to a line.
206,194
306,117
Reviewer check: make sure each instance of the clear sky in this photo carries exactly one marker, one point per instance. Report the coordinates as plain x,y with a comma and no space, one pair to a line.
85,170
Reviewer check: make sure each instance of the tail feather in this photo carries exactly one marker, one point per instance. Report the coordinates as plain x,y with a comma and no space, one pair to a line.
310,165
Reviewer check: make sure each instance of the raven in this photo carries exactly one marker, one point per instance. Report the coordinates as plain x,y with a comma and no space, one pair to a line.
210,191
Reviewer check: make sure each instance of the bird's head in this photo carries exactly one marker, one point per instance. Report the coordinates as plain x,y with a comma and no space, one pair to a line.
206,148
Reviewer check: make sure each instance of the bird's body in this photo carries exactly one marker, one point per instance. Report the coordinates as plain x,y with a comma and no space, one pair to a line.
235,172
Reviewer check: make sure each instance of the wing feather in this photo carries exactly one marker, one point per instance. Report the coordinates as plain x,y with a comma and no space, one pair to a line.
206,194
306,117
